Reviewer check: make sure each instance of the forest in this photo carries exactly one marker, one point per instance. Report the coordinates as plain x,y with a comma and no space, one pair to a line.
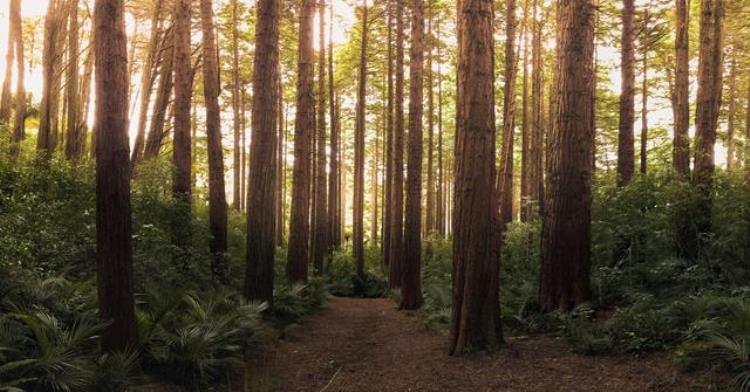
374,195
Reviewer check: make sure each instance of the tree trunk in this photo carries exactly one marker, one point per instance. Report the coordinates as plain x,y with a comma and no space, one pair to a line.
114,251
732,110
644,113
566,231
526,129
19,131
374,189
681,149
388,183
710,70
6,97
430,219
280,154
747,136
181,142
536,142
156,132
299,225
334,194
626,140
441,202
320,244
260,219
475,319
411,285
50,56
505,179
236,122
359,151
397,187
74,143
147,82
217,201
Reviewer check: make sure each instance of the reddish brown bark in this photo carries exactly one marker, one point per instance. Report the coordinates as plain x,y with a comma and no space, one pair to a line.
411,284
397,187
681,148
626,140
299,225
358,235
475,319
182,98
566,232
505,178
114,251
320,241
261,179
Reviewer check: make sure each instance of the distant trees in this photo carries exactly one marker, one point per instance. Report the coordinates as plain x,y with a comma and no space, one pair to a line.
261,244
475,319
566,228
114,250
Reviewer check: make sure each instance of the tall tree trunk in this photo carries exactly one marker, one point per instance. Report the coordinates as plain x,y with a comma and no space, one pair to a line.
114,250
681,149
430,220
334,181
280,154
74,143
747,136
388,183
243,146
359,151
441,202
526,129
6,97
85,89
260,219
411,286
147,82
299,225
536,142
566,231
237,194
710,72
505,179
475,319
19,131
50,56
217,201
181,144
626,140
156,132
320,244
397,187
732,110
644,112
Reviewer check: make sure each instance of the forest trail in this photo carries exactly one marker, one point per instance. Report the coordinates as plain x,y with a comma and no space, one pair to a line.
367,345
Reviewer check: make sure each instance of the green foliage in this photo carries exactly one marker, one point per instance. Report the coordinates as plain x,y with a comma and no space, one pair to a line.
343,280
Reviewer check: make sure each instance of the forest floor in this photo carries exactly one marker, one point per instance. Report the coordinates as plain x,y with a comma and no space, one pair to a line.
367,345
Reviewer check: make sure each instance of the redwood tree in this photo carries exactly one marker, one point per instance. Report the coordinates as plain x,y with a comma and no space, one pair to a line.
217,201
566,229
475,318
681,149
505,178
411,284
397,185
261,243
359,151
299,225
626,140
114,250
320,231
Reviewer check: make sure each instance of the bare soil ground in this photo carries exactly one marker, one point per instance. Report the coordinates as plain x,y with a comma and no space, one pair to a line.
366,345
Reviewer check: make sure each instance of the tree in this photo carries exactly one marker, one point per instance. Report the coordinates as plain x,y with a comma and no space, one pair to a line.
75,142
156,132
147,81
114,251
566,228
535,187
334,177
430,214
6,96
320,241
299,225
505,179
397,185
359,151
260,220
681,149
237,194
217,201
411,286
475,318
710,72
732,110
626,140
388,180
48,115
20,115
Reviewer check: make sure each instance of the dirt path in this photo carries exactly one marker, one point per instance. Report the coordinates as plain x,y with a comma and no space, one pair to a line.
366,345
